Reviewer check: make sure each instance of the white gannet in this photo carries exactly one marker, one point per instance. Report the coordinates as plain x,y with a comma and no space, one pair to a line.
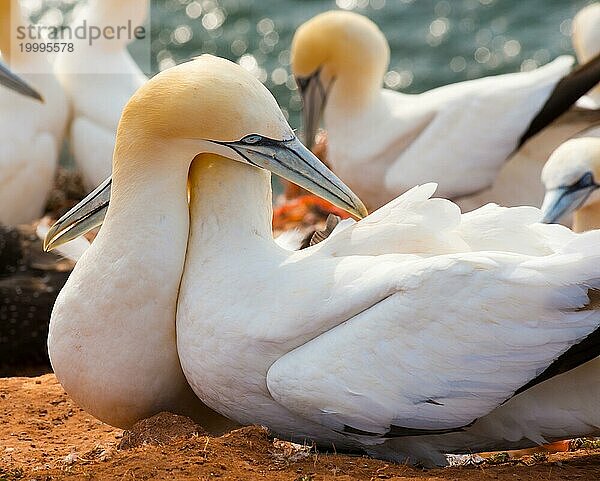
31,133
459,135
517,182
99,81
112,333
414,332
571,178
586,42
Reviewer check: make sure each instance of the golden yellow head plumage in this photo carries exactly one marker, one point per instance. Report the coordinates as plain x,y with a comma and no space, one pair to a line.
338,57
345,45
207,98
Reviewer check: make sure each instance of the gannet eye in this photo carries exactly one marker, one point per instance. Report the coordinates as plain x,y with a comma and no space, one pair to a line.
252,139
587,180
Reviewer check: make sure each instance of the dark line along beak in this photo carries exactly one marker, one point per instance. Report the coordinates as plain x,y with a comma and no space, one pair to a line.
82,218
564,200
293,161
13,82
314,97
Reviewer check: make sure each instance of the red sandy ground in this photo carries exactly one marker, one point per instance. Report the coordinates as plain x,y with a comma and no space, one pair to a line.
44,436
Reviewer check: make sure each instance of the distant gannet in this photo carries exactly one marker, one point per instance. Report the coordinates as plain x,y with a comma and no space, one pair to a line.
383,142
572,177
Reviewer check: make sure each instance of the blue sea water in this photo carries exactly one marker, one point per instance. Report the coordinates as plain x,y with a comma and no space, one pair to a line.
433,42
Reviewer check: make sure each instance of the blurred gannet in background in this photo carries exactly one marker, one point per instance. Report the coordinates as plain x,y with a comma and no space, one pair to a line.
572,177
99,81
459,135
31,132
586,42
517,183
372,340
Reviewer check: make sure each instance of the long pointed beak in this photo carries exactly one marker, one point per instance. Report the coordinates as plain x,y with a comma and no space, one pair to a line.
314,97
13,82
293,161
82,218
564,200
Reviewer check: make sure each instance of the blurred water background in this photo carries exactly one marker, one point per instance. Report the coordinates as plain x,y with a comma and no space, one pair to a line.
433,42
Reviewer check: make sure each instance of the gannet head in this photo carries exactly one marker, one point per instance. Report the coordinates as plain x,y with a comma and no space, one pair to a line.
571,175
341,54
586,33
207,106
13,82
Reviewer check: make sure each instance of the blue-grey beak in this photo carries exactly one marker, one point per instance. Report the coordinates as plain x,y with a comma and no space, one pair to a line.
314,97
566,199
81,219
291,160
13,82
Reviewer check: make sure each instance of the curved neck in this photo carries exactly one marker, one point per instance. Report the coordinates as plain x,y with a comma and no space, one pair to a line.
587,218
230,202
354,91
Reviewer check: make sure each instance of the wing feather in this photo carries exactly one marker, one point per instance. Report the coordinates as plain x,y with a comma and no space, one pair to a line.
460,334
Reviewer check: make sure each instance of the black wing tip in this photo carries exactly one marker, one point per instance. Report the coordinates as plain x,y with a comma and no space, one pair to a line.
402,432
567,91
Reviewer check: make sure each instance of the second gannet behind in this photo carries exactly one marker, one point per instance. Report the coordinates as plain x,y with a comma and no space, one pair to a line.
459,135
586,42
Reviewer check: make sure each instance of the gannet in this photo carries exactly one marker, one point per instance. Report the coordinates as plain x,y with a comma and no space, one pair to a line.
332,373
383,142
571,178
414,332
517,182
31,133
99,81
115,353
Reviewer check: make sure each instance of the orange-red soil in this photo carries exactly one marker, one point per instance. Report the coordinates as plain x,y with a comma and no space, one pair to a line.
45,436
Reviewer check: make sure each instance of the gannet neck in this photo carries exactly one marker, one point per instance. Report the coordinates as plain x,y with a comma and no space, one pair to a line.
587,218
164,177
233,201
586,39
350,51
115,353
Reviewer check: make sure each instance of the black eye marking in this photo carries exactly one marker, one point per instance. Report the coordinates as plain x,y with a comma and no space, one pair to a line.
303,82
587,180
252,139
